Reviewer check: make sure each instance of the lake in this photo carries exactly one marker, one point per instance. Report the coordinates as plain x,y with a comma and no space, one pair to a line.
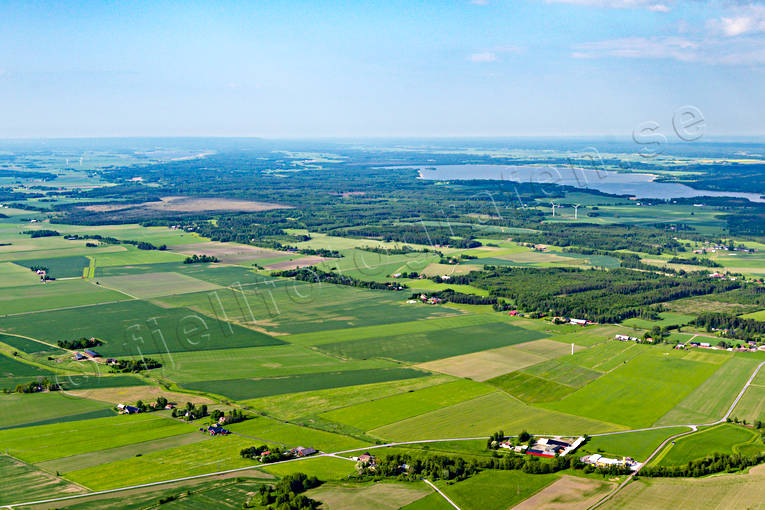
639,185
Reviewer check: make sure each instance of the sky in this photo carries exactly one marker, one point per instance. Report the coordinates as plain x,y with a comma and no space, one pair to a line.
308,69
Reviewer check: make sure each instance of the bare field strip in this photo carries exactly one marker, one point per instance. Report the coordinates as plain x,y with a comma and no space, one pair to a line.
483,365
567,493
292,264
134,393
183,204
227,252
729,492
152,285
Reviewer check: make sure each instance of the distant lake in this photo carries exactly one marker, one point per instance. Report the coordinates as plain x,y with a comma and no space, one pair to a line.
617,183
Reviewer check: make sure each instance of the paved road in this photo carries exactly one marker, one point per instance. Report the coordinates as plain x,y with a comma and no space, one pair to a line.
441,493
692,427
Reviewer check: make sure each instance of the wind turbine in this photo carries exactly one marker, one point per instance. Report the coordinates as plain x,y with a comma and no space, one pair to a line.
576,211
554,205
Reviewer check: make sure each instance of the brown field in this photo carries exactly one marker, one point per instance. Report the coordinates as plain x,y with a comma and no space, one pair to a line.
298,262
567,493
135,393
483,365
185,204
381,496
446,269
227,252
725,492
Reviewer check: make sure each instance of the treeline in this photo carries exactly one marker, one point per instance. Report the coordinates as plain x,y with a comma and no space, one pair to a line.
605,238
233,416
317,275
320,252
41,233
190,412
458,297
287,494
396,250
455,237
200,259
599,296
43,384
134,365
731,326
717,463
440,467
695,261
141,245
81,343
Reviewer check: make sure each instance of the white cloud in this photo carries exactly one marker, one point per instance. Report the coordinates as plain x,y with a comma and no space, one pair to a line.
479,2
483,57
709,50
651,5
742,19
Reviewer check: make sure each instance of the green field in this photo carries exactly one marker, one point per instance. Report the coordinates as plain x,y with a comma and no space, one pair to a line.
638,445
217,454
13,372
48,442
55,295
22,482
151,285
20,410
291,435
135,327
29,346
530,388
485,415
59,267
633,394
667,319
751,407
377,413
495,490
419,347
292,307
725,438
13,275
552,380
710,401
296,405
243,389
251,362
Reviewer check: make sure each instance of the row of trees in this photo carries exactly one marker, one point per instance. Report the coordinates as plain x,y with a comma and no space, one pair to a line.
80,343
201,259
134,365
317,276
717,463
43,384
731,325
190,412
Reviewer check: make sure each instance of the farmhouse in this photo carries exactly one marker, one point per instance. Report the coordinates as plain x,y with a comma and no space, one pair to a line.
302,452
123,409
215,430
79,356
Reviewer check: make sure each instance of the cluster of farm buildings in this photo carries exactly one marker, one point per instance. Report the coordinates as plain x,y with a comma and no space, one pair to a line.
598,460
546,447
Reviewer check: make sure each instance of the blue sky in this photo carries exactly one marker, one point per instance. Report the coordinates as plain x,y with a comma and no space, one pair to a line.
396,68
